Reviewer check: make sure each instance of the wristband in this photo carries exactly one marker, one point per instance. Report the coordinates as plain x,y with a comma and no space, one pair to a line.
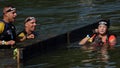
88,36
4,42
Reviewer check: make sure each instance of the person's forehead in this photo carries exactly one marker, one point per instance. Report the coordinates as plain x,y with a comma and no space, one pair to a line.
32,21
103,25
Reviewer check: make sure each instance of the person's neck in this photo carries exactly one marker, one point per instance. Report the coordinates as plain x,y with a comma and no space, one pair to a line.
6,20
28,31
102,35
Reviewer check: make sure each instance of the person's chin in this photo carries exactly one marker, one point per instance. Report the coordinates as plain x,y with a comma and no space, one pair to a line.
33,30
12,20
102,33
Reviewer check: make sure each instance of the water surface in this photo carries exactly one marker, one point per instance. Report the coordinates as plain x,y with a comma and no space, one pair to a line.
56,17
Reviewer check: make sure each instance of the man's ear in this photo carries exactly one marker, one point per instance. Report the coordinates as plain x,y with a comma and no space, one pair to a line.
26,24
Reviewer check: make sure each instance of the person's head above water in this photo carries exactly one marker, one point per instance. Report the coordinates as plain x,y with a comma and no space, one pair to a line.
30,23
104,22
102,26
9,13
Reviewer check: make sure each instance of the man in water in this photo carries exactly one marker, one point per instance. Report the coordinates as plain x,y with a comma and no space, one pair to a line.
28,32
7,29
7,35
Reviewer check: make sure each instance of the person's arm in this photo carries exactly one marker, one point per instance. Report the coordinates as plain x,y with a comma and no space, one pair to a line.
112,41
84,40
31,36
11,42
3,42
21,37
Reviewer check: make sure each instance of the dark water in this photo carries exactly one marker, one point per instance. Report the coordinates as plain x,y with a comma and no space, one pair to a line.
75,58
60,16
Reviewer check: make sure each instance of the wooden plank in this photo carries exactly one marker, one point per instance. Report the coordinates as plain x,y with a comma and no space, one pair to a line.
54,43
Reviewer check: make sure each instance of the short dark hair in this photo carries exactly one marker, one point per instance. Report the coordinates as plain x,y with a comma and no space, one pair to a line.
8,8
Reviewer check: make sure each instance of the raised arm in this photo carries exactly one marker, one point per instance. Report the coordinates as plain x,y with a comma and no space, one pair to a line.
84,40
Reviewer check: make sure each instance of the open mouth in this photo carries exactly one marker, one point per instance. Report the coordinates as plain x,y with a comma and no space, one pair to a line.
14,17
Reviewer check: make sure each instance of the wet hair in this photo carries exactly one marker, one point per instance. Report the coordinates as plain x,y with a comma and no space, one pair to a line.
104,22
29,19
8,8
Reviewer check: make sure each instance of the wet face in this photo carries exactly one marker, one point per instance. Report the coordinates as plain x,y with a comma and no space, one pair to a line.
102,29
11,16
31,25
